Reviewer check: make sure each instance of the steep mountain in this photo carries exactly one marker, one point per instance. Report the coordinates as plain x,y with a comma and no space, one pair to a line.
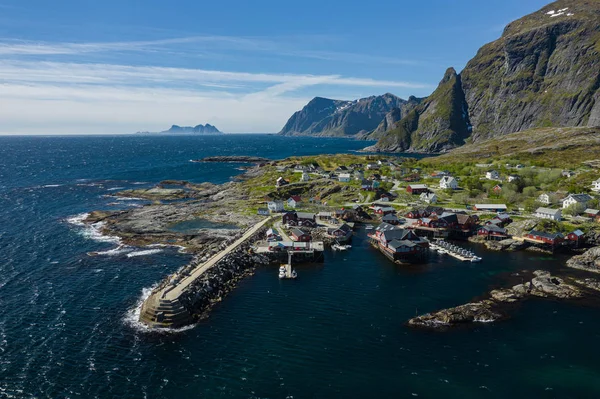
198,129
438,123
544,71
326,117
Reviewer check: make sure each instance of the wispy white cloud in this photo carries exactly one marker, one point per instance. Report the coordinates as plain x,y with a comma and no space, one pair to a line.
55,97
283,47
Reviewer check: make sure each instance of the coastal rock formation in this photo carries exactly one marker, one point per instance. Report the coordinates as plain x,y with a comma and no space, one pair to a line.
542,72
505,245
198,129
589,260
542,285
327,117
233,158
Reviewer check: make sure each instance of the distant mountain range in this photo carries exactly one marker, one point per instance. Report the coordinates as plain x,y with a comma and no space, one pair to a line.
543,72
198,129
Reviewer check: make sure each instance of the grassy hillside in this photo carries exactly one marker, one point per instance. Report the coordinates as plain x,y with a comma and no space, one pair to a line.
566,147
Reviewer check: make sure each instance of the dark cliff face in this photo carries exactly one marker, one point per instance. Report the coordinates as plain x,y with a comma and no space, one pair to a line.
326,117
544,71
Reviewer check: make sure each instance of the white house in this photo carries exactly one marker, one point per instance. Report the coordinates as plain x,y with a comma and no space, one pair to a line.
275,206
281,182
582,199
294,201
544,199
596,185
429,198
344,177
359,175
492,175
547,213
512,178
448,182
305,177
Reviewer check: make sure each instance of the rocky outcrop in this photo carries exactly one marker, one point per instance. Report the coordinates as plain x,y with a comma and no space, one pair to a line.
198,129
505,245
589,260
327,117
542,285
233,158
544,71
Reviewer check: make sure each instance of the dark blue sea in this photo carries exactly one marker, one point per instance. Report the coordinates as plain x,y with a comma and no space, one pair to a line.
67,320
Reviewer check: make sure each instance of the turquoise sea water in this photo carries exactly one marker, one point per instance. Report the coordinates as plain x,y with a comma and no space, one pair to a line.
66,318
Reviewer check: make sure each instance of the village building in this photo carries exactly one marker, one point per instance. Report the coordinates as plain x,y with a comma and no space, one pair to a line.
429,198
596,185
281,182
576,237
375,184
344,177
448,182
592,213
294,201
306,219
547,213
324,215
465,222
417,189
490,207
341,169
290,218
398,244
358,175
273,235
541,237
275,206
305,176
568,173
497,189
342,233
372,166
299,235
572,199
263,212
519,166
492,175
390,218
512,178
492,232
544,199
383,210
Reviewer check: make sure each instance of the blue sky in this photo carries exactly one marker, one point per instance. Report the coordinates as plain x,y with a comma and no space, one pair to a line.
110,66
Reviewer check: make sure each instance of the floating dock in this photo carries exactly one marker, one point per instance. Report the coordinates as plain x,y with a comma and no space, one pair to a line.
454,251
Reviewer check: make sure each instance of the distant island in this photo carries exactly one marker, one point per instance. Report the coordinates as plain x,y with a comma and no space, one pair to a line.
198,129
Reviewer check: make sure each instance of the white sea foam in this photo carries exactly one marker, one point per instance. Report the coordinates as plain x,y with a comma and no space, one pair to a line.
115,188
128,199
144,252
132,316
121,249
52,185
91,231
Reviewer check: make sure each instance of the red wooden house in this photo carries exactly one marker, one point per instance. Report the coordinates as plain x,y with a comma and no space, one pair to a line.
542,237
299,235
492,232
417,189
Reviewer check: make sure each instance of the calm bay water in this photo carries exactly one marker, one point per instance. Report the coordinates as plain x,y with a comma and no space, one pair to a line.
336,332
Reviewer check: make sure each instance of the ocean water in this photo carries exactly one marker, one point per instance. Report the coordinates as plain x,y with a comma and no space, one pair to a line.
67,319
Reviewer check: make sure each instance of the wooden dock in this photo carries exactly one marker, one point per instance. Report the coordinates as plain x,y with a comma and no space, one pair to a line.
454,254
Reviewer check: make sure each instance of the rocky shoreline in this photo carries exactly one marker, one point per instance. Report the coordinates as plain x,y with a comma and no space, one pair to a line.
233,158
495,307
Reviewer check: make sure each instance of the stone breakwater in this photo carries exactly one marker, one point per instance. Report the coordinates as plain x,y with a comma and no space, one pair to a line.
188,295
219,280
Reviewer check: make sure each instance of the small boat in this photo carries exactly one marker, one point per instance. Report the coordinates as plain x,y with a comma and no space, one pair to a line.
442,251
285,270
369,227
340,247
475,259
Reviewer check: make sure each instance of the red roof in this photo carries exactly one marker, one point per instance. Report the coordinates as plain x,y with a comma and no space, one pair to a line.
296,198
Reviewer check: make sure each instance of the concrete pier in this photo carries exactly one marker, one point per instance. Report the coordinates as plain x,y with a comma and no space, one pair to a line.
166,307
